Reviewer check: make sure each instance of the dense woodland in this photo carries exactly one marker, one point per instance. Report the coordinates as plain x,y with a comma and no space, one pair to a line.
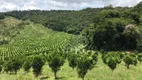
34,38
62,20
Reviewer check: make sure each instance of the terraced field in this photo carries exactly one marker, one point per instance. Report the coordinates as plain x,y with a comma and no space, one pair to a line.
35,39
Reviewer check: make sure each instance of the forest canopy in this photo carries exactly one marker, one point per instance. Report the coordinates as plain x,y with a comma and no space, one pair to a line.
115,30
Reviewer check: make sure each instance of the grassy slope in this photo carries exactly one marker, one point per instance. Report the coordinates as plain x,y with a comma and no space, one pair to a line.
100,72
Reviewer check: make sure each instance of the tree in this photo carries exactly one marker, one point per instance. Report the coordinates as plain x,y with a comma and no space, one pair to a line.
140,57
72,59
37,64
95,58
85,62
0,68
112,59
129,60
131,36
135,60
83,65
27,65
1,65
2,16
12,65
112,63
138,7
56,59
110,31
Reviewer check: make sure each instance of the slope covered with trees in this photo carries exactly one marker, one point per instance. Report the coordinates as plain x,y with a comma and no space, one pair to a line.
68,21
115,30
62,20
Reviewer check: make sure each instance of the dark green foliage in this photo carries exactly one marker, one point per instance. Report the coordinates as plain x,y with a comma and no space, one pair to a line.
27,65
85,61
84,64
37,64
140,57
138,8
2,16
60,20
3,42
104,58
131,35
12,65
112,63
95,58
121,55
1,65
72,59
0,68
132,15
113,31
112,59
135,60
56,59
130,59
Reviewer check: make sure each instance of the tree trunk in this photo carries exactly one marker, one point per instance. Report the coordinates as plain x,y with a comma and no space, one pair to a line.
128,67
83,78
55,74
15,72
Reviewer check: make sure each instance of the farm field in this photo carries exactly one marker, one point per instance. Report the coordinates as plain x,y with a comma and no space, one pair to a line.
71,40
35,38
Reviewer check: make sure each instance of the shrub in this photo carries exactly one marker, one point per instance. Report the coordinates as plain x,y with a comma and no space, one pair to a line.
85,63
129,60
27,65
56,59
12,65
72,59
140,57
37,64
112,59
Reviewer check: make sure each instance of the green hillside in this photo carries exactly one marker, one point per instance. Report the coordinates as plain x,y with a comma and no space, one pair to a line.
34,39
89,44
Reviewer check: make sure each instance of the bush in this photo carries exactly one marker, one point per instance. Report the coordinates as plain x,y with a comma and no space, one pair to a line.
130,60
85,62
37,64
0,68
112,63
83,65
140,57
56,59
12,65
27,65
72,59
112,59
2,16
1,65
